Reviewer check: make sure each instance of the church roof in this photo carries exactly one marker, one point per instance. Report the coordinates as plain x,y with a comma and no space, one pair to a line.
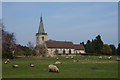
79,47
41,27
59,44
64,44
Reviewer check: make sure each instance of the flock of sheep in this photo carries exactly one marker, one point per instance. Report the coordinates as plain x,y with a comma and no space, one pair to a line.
110,57
16,66
54,68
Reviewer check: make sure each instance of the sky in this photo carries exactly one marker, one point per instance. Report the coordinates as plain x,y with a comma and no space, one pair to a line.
63,21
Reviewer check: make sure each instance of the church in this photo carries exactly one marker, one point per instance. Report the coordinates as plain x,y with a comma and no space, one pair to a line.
62,47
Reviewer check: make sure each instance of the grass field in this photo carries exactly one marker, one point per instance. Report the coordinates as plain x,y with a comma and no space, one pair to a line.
87,67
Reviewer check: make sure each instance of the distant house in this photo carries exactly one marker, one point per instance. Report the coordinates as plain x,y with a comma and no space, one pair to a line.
63,47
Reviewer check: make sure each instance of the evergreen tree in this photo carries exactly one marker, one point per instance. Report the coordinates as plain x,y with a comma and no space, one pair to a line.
83,44
98,44
118,49
89,47
113,49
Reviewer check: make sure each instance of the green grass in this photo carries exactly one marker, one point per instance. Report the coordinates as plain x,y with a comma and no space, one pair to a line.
87,67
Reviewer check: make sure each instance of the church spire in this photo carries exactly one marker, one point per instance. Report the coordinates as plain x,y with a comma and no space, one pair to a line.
41,27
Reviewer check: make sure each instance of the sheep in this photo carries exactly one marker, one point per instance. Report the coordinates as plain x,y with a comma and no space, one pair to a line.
100,57
15,66
75,60
57,58
71,57
6,62
32,65
66,57
58,62
110,57
118,59
53,68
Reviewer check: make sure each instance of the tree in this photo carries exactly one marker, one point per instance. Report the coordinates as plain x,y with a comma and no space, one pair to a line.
30,45
8,43
106,49
89,47
56,52
98,44
82,44
118,49
41,50
113,49
31,48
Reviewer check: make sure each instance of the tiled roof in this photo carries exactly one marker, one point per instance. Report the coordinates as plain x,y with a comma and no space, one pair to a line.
79,47
59,44
64,44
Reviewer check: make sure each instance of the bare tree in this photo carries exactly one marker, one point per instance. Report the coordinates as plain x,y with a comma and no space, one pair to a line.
41,50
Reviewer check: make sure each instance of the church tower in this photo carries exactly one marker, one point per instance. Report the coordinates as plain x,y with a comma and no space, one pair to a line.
41,36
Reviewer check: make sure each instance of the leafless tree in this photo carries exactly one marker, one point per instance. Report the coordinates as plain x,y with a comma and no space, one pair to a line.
41,50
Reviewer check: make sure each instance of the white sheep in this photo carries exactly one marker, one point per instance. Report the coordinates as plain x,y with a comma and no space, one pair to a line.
66,57
110,57
58,62
118,59
32,65
6,62
100,57
53,68
15,66
75,60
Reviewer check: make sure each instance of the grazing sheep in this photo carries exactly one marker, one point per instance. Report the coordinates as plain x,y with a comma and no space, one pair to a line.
110,57
118,59
75,60
58,62
32,65
6,62
71,57
15,66
57,58
100,57
66,57
53,68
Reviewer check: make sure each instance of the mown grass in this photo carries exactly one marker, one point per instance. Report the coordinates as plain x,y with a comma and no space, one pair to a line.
87,67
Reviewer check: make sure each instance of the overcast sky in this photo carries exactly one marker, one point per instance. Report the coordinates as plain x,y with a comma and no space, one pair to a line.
72,21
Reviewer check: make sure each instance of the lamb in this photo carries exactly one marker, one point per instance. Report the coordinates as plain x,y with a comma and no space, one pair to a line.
15,66
71,57
53,68
100,57
58,62
32,65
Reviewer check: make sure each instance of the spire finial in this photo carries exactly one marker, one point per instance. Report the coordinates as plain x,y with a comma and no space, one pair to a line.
41,19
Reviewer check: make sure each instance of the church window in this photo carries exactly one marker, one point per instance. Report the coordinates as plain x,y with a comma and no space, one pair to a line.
43,38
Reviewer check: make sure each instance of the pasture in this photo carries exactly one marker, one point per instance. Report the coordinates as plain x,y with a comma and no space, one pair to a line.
87,67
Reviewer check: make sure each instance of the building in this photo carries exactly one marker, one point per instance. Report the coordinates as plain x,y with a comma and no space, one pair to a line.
62,47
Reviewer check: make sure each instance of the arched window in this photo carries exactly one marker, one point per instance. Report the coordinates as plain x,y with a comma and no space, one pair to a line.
43,38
